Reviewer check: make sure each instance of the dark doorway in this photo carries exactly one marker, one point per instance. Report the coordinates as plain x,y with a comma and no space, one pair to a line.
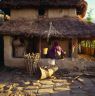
33,45
1,51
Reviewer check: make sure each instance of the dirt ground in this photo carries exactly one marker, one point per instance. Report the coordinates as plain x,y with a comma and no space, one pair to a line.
16,82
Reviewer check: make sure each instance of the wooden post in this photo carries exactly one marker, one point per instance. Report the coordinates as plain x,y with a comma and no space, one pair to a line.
74,47
79,47
90,47
85,48
40,46
70,47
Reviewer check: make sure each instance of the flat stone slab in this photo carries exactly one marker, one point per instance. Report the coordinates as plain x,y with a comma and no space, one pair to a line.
46,82
27,83
60,85
36,84
31,87
59,81
43,91
62,88
46,86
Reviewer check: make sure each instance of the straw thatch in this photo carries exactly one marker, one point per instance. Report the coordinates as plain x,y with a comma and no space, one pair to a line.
81,5
63,27
22,3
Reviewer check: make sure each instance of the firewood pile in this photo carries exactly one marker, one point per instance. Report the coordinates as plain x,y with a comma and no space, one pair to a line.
32,63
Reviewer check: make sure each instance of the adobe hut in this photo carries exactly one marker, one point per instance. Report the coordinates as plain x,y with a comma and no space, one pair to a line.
32,21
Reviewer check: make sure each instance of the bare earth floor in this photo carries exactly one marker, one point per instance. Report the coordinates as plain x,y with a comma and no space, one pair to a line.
78,80
15,82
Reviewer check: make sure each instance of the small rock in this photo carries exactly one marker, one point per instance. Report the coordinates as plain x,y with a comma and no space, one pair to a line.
29,93
15,84
59,84
2,85
27,83
46,86
19,88
31,87
36,84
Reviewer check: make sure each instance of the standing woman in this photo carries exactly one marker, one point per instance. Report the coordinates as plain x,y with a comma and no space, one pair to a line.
56,52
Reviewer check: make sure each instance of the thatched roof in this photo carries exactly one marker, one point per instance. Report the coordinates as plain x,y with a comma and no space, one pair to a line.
27,3
81,5
63,27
